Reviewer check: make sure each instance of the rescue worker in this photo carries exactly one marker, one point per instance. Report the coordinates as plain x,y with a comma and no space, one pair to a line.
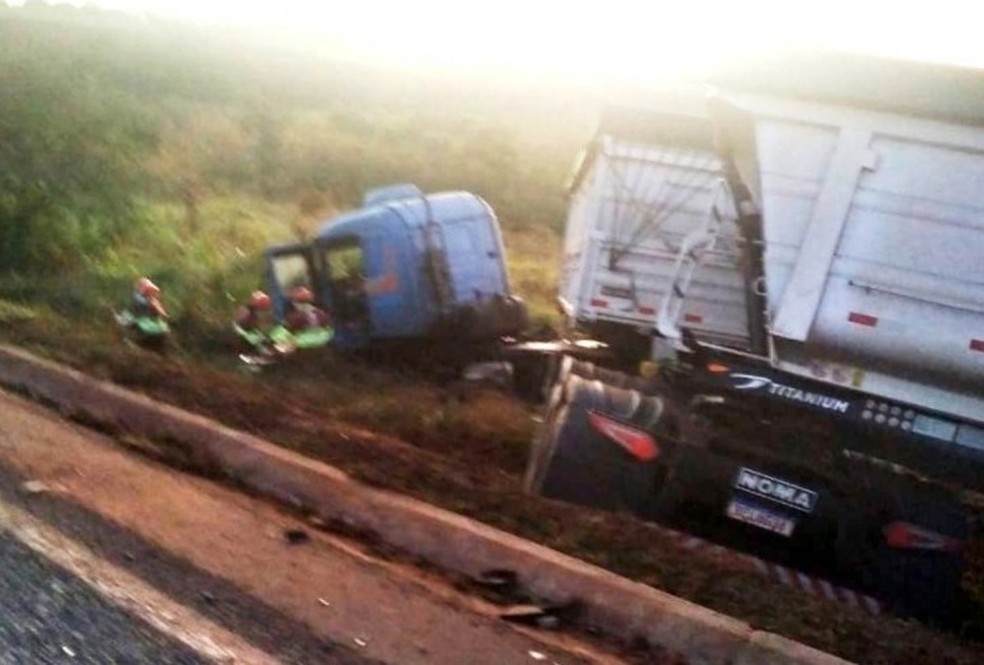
304,314
252,322
145,319
146,301
307,325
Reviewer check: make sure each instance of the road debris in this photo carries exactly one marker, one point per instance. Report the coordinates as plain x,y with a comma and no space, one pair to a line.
543,616
324,602
35,487
530,615
497,373
536,655
522,613
296,536
500,579
360,642
499,586
68,651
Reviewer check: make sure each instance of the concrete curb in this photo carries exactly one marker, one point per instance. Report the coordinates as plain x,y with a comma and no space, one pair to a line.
621,607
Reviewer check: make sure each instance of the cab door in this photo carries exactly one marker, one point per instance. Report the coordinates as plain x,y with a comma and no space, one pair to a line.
288,267
345,271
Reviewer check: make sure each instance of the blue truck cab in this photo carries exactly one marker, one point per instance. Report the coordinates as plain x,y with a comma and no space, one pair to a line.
404,266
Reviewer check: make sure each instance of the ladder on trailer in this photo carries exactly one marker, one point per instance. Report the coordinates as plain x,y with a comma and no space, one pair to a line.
695,246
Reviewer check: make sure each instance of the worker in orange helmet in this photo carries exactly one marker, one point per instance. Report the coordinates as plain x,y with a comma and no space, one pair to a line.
145,320
303,313
252,321
146,300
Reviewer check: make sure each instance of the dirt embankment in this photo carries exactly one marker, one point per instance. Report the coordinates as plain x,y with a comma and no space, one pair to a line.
463,451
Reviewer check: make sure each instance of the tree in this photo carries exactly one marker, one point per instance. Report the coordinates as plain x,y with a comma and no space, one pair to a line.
69,149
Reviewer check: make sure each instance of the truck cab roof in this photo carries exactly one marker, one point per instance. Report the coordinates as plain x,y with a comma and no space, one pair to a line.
411,212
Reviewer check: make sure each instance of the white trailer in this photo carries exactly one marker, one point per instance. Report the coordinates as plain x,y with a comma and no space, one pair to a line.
873,250
836,439
648,211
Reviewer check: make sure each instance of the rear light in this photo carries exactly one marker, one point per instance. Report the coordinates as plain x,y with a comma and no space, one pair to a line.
638,443
693,318
599,302
907,536
863,319
717,368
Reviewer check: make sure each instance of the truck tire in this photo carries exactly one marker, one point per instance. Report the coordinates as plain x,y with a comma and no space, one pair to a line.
573,462
610,377
918,583
922,583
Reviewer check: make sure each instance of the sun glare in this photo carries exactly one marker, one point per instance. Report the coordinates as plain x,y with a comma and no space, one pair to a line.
618,40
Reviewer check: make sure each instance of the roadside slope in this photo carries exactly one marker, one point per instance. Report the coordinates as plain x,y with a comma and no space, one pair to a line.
467,479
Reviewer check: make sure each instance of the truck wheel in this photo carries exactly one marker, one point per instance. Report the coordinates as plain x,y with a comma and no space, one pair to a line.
573,462
924,583
613,377
589,370
918,583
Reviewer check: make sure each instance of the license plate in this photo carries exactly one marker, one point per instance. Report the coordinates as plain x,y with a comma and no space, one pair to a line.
760,517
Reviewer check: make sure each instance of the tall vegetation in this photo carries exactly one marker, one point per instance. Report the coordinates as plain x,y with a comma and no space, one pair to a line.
129,146
68,163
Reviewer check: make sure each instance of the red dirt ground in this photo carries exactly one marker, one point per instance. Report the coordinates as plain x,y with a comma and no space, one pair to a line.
470,471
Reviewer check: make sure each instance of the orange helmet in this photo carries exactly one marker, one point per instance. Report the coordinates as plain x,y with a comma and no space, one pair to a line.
259,300
147,288
301,294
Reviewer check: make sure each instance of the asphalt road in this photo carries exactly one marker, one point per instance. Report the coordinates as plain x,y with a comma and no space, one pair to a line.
49,616
108,557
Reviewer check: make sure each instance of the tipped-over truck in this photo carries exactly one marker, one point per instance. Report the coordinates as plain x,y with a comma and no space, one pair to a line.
405,266
840,428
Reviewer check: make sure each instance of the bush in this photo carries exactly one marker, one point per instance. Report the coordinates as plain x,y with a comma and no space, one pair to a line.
69,152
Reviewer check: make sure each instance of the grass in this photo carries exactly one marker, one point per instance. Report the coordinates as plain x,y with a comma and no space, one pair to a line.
534,268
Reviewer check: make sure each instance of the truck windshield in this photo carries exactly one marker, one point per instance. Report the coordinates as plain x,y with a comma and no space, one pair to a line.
291,270
344,261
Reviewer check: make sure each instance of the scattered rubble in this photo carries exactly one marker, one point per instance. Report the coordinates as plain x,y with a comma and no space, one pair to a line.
296,536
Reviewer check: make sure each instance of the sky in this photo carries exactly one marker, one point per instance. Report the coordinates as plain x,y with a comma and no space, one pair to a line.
632,41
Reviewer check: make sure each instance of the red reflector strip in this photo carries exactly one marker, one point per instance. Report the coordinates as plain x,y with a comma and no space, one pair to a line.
598,302
647,310
639,444
977,345
693,318
862,319
906,536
